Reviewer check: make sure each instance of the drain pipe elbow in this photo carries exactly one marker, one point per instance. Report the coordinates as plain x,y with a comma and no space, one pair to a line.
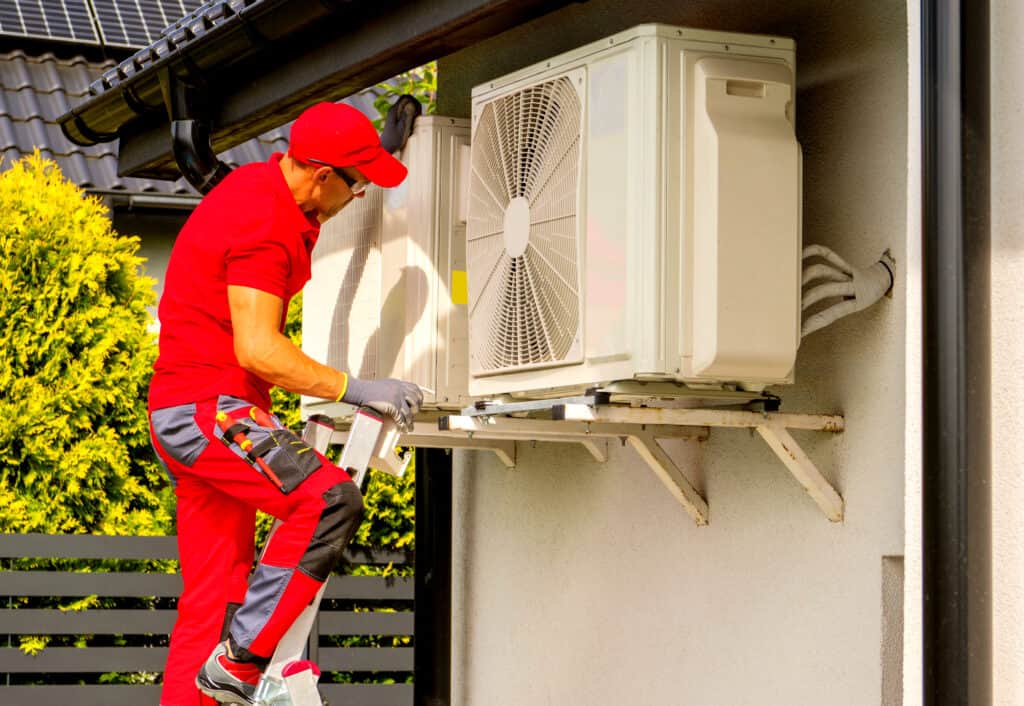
190,136
399,122
190,143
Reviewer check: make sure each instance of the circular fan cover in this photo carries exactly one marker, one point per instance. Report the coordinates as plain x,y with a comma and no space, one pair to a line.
522,244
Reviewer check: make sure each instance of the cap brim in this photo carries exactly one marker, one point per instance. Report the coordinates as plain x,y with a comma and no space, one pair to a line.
384,170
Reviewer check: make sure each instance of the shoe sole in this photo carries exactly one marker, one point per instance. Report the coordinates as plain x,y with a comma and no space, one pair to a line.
222,696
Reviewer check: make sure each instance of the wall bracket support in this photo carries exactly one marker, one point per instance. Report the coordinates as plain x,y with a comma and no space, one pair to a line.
772,426
593,422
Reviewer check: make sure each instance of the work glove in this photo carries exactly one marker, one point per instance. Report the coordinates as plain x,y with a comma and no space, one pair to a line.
397,399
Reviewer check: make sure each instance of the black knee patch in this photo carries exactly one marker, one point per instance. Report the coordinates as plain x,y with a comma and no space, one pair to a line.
338,522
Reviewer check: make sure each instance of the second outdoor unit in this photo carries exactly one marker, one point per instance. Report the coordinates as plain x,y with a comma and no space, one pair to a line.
635,214
387,296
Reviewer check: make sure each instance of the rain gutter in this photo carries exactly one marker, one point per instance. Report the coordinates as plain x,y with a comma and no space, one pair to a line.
264,61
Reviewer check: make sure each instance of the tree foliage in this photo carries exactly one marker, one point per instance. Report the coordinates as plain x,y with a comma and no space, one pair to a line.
420,82
75,359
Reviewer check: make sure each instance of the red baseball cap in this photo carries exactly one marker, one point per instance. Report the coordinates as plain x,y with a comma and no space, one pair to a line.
341,136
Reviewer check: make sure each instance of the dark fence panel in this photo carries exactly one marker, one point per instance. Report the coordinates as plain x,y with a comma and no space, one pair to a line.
348,610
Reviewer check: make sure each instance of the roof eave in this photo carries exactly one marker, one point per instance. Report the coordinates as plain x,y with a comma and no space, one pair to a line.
281,79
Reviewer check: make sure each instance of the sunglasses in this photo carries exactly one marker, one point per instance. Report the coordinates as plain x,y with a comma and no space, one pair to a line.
355,186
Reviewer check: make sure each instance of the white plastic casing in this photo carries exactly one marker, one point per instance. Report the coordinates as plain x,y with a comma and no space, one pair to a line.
689,203
387,293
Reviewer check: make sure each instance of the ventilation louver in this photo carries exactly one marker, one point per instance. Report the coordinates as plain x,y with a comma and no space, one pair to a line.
522,242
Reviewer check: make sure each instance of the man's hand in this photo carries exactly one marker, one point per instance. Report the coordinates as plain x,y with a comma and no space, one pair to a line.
397,399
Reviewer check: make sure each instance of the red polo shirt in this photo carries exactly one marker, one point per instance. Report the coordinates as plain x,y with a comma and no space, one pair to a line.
248,231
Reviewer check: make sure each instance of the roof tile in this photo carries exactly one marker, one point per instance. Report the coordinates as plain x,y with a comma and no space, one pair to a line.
36,90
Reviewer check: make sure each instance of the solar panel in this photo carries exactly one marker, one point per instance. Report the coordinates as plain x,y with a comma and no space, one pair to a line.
67,20
129,24
138,23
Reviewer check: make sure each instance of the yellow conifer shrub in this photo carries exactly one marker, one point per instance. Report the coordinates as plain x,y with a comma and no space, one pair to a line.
75,360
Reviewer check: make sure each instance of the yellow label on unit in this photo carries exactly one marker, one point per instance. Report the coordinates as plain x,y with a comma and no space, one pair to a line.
460,287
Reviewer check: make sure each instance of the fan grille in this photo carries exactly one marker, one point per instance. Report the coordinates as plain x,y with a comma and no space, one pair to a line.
525,303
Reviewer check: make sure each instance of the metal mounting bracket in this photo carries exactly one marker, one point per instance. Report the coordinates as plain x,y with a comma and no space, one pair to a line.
503,448
594,435
772,426
592,420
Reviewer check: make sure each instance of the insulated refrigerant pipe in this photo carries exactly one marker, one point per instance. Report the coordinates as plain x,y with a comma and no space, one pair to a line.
956,473
856,288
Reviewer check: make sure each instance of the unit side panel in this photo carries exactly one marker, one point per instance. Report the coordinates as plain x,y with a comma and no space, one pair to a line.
452,368
748,256
738,258
610,214
673,127
397,278
409,209
342,303
647,276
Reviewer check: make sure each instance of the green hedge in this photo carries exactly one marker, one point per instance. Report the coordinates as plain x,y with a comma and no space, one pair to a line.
75,359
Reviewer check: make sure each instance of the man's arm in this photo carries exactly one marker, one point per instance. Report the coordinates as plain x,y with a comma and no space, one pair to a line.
262,349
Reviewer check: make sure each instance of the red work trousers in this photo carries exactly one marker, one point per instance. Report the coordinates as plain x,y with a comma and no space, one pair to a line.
218,493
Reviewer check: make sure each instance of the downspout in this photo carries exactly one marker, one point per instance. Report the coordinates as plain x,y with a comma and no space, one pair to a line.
432,658
190,132
956,502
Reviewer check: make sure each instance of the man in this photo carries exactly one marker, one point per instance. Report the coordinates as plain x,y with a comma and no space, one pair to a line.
239,259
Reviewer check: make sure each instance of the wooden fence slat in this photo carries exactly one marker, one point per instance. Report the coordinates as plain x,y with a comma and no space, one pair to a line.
94,621
126,584
88,659
377,556
86,546
361,694
102,621
368,623
371,588
120,584
137,695
152,659
97,546
365,659
84,695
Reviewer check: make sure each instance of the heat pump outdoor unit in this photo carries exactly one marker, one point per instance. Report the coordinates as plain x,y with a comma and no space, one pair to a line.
635,214
387,297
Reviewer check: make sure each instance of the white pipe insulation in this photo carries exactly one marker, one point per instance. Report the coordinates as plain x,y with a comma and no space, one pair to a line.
856,289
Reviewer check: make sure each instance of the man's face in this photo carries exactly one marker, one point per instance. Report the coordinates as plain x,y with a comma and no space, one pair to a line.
332,193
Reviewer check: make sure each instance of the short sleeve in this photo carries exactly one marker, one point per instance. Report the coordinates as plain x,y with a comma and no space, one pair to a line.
258,255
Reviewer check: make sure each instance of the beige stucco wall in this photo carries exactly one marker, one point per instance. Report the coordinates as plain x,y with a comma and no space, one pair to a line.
1008,350
577,582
